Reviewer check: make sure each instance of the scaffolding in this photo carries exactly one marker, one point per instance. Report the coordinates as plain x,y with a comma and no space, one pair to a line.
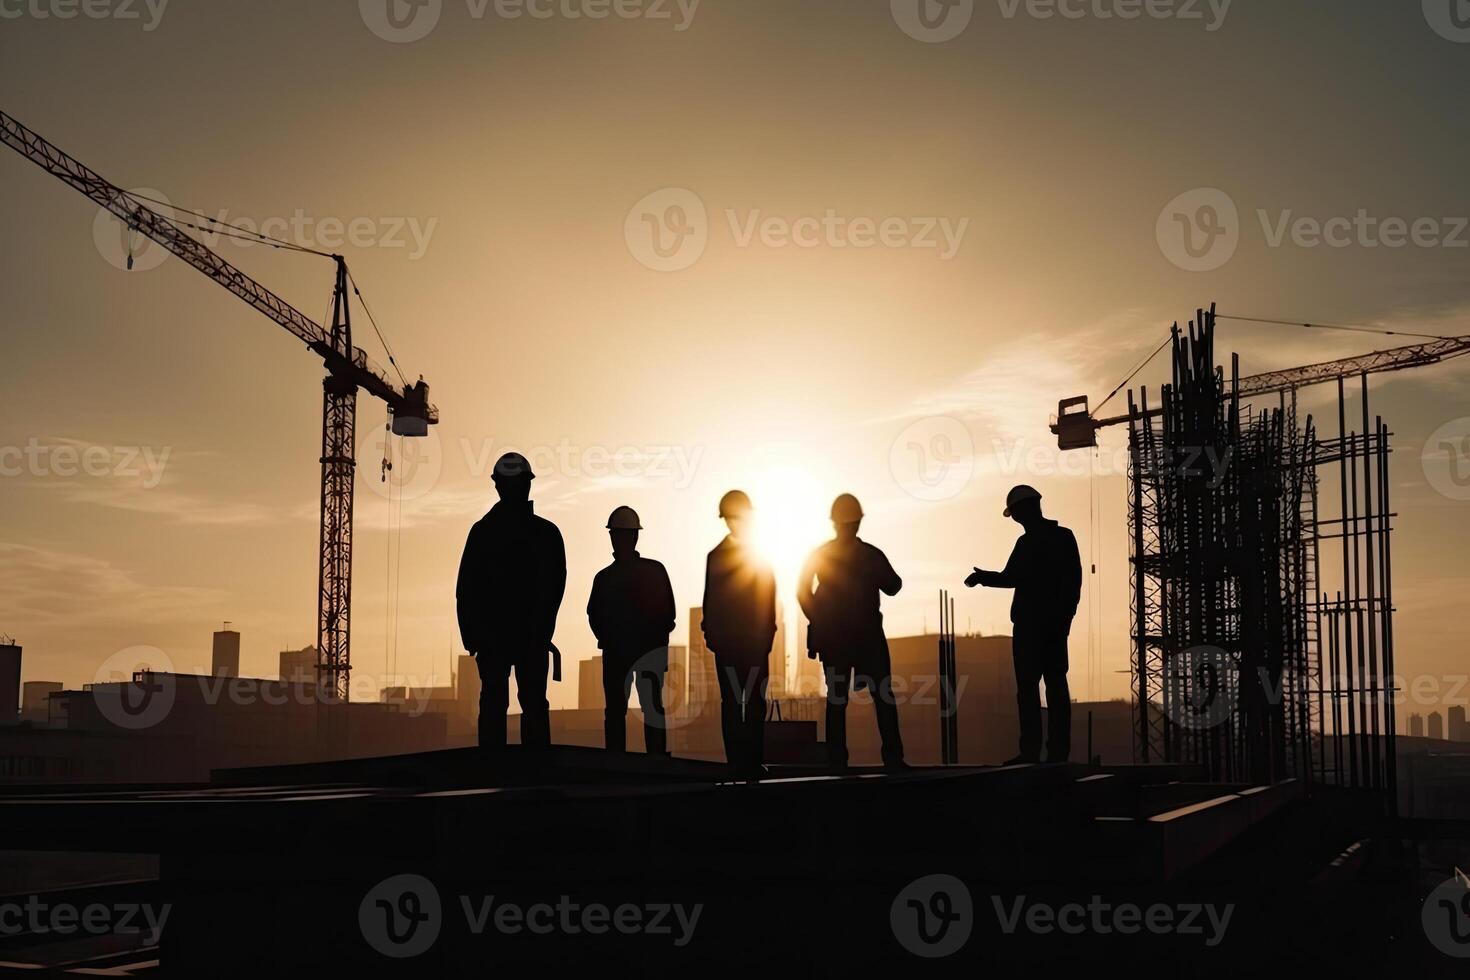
1243,662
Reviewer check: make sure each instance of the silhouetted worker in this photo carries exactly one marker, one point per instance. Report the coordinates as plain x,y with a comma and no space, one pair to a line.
632,614
739,626
511,581
1045,569
846,628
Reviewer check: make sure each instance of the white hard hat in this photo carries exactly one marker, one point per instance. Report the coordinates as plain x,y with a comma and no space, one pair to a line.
624,518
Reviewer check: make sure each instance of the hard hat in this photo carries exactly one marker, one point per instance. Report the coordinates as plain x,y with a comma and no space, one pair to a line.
1019,494
624,519
735,504
513,466
846,510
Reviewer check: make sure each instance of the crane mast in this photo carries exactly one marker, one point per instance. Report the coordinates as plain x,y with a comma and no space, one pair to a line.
348,370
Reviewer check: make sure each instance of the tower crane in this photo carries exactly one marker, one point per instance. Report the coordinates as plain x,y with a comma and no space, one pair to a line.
1076,428
348,370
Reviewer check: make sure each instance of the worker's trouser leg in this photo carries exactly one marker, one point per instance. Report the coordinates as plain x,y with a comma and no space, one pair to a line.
1040,654
530,668
494,699
651,700
839,691
531,692
743,713
887,710
617,681
839,685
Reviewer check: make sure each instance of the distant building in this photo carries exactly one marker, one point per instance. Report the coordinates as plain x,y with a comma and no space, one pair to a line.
226,660
702,686
589,685
9,682
676,681
1416,725
776,690
1436,725
299,666
34,705
809,682
1457,732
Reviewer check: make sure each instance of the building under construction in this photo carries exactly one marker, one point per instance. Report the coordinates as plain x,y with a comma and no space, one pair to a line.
1255,655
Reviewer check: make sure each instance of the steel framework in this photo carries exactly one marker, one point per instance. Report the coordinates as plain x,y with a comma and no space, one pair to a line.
1229,615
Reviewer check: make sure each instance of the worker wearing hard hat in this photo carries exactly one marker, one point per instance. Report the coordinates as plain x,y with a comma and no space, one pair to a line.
511,581
840,590
739,626
1045,569
631,611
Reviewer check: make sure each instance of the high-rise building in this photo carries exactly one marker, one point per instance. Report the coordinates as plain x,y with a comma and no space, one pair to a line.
9,681
1416,725
702,686
1436,725
226,659
299,666
676,680
589,685
1457,732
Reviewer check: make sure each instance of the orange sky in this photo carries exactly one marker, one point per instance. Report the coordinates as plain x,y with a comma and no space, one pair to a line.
905,248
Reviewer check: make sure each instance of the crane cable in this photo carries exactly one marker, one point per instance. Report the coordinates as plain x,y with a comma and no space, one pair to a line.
376,329
236,231
252,236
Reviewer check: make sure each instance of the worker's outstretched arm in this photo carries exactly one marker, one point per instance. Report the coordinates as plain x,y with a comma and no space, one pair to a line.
1006,578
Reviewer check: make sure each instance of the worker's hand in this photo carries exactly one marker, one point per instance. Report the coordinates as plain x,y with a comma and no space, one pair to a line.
973,579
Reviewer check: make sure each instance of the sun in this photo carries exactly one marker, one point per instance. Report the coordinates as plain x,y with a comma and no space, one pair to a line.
791,508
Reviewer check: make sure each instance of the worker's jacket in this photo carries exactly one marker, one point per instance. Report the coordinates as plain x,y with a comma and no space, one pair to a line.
1045,569
511,581
739,604
842,610
631,611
